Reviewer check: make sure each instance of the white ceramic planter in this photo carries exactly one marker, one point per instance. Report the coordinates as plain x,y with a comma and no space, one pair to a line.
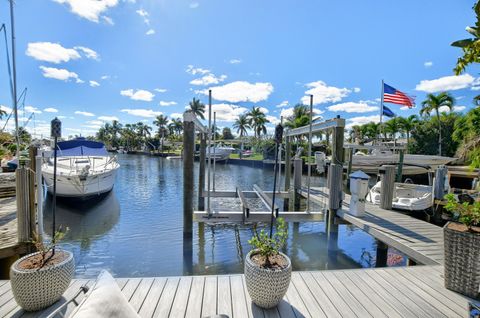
266,286
35,289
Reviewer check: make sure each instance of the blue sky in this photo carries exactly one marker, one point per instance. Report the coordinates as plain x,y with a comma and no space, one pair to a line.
95,60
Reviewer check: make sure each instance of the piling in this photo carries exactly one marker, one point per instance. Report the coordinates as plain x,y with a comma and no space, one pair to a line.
288,168
188,156
23,205
439,183
382,254
201,172
38,177
297,182
387,177
32,154
400,166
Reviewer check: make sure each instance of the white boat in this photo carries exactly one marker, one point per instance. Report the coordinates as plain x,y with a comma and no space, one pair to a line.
406,196
84,169
121,150
219,153
412,164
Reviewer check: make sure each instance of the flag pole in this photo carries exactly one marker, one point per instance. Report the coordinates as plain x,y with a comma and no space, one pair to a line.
381,109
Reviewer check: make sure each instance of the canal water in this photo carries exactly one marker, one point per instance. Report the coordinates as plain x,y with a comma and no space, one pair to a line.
136,230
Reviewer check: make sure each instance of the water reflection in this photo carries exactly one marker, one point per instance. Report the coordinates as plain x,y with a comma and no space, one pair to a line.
85,220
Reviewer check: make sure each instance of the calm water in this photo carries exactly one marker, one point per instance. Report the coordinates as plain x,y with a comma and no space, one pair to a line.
136,230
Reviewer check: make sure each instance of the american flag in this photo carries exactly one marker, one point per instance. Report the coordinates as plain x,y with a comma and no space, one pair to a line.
394,96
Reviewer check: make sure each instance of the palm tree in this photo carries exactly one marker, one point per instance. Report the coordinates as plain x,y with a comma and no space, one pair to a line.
392,127
115,129
161,122
407,124
197,107
356,134
177,125
2,113
433,103
257,121
370,131
241,124
299,118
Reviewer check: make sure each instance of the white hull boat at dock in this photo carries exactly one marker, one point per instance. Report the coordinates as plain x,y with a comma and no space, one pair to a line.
82,171
406,196
219,153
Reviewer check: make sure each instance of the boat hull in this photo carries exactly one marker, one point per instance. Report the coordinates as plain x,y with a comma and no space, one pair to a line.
75,186
407,197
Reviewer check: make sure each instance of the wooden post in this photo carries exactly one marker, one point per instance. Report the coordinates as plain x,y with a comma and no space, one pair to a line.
32,153
387,177
38,177
382,254
439,183
288,162
400,166
201,172
350,162
188,154
337,145
23,214
188,187
297,182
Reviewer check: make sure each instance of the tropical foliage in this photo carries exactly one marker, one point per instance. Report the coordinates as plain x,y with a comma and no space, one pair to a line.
257,121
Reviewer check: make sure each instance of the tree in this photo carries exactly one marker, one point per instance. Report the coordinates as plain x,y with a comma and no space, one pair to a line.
161,122
356,134
2,113
257,121
370,131
392,127
241,124
176,126
471,46
433,103
407,125
300,117
115,129
24,135
197,107
227,134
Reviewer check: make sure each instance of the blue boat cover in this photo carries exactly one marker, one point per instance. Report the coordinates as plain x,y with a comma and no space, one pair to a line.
81,147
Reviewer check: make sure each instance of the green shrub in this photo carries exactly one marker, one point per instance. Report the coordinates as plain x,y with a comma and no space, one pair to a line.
465,213
269,246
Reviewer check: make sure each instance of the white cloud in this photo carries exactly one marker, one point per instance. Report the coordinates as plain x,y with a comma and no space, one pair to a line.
241,91
196,70
361,120
108,20
139,94
59,74
356,89
89,53
446,83
150,32
144,14
226,112
78,112
148,113
163,103
445,109
94,83
50,110
209,79
353,107
31,109
428,64
273,120
160,90
108,118
89,9
323,93
235,61
287,112
105,77
283,104
176,115
51,52
95,122
6,109
459,108
194,5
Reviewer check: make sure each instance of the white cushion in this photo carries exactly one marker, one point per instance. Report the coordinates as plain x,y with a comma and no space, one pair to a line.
104,299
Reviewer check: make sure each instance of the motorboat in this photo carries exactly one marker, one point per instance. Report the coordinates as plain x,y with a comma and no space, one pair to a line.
219,153
406,196
84,169
412,164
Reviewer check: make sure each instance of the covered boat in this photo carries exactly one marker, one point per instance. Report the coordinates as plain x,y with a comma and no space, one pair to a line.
406,196
84,169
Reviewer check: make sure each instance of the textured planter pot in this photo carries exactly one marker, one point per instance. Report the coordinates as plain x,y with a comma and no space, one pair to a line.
36,289
266,286
462,261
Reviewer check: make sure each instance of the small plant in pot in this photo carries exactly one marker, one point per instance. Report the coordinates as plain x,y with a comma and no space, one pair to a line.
40,279
267,270
462,247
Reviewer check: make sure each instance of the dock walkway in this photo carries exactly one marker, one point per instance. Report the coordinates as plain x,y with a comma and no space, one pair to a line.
419,240
415,291
8,227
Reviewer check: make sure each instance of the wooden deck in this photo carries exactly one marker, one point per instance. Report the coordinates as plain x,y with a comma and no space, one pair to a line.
420,241
390,292
8,228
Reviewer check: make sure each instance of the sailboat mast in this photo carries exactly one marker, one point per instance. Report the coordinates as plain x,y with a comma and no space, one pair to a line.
15,110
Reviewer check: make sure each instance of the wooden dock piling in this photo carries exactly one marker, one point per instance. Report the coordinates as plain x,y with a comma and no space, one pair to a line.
297,182
188,157
201,172
387,176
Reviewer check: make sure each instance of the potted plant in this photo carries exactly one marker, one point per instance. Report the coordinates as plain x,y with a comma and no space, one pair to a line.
40,279
462,247
267,270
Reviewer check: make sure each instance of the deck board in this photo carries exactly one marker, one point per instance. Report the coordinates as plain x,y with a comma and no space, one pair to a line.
416,291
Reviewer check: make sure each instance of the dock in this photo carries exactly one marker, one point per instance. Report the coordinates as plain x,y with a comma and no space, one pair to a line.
415,291
9,245
421,241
